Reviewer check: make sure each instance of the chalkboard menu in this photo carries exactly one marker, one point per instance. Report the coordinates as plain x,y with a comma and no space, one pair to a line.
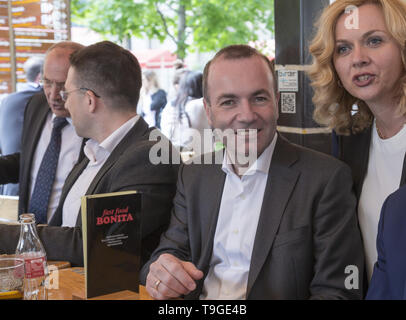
35,26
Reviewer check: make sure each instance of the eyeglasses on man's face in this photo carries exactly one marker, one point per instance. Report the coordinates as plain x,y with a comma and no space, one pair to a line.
46,83
64,94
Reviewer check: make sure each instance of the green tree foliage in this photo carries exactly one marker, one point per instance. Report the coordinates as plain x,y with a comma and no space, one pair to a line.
203,25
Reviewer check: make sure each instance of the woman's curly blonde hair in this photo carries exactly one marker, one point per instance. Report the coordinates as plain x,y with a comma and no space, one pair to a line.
333,104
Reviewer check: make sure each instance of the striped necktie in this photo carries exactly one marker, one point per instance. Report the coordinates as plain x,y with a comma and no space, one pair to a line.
46,173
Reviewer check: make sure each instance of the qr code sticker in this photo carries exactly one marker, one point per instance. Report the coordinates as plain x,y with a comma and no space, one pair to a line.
288,102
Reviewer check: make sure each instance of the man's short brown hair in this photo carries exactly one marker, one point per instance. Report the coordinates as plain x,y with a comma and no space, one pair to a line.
111,71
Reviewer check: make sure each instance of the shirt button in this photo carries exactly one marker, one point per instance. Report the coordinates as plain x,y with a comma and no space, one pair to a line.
236,231
242,197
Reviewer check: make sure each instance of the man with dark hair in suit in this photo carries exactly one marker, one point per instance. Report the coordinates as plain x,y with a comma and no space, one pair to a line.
281,227
101,93
39,126
12,113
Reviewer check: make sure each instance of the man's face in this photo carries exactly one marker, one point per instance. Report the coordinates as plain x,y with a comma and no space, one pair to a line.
75,104
242,97
56,68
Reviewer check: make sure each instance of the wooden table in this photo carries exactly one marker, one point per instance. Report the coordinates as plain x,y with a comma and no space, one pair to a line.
72,287
56,264
71,284
59,264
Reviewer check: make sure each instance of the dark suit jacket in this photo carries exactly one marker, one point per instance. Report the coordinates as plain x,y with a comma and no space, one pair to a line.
307,232
127,168
389,277
16,167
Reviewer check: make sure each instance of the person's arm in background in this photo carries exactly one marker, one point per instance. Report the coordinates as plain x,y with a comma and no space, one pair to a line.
158,100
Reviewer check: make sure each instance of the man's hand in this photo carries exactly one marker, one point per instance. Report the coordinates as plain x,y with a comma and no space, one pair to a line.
170,277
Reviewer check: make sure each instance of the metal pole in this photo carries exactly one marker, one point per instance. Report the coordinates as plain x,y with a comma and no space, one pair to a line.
68,12
296,18
13,62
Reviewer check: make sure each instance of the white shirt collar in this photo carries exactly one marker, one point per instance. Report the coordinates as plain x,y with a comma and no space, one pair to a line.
99,152
262,164
53,116
34,84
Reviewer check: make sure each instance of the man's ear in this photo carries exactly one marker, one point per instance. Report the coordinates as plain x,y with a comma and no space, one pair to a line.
207,109
91,101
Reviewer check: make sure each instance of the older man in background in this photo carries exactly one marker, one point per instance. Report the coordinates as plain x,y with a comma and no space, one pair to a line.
49,145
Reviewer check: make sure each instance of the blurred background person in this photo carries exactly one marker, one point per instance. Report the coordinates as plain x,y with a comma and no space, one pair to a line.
12,113
179,73
154,99
178,64
184,120
179,69
364,65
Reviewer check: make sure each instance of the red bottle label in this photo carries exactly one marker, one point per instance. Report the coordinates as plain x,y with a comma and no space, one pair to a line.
35,267
19,272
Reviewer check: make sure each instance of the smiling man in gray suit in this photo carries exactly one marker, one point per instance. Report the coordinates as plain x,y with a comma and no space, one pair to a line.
283,228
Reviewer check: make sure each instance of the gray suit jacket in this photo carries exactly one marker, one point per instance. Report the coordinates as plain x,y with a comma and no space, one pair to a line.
12,118
307,232
127,168
11,125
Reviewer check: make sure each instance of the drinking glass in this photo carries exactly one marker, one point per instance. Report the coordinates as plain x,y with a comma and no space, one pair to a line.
11,278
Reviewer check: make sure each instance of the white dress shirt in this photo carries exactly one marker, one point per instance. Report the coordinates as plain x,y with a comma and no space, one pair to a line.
97,155
383,177
237,223
68,156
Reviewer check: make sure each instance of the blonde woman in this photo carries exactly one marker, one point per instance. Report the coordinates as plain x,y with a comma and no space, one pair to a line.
154,99
359,80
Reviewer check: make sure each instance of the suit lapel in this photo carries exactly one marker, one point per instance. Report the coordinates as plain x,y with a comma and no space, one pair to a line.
362,148
354,150
215,183
35,131
69,182
281,182
140,128
33,124
209,207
